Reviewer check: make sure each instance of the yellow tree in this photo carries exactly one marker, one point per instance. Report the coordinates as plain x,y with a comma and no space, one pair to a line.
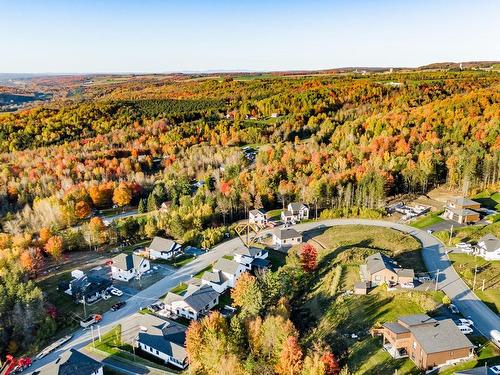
82,210
290,361
54,246
122,195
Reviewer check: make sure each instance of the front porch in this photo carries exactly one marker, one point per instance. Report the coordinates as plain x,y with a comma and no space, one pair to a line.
395,352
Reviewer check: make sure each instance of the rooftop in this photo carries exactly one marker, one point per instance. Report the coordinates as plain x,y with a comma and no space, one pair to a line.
258,212
196,296
127,261
69,363
284,234
162,244
227,266
378,262
441,336
249,252
464,202
417,319
490,242
396,327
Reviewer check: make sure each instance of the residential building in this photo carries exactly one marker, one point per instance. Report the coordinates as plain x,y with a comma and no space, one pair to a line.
428,342
224,274
462,210
257,216
72,362
488,247
284,238
163,248
195,302
380,269
127,266
89,286
251,257
162,338
295,212
483,370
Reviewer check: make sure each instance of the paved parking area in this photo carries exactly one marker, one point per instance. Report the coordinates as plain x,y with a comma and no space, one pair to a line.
158,272
444,225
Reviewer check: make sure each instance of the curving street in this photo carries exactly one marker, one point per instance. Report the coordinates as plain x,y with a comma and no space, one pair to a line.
433,254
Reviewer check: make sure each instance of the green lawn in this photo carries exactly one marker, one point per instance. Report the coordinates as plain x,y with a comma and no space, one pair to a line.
489,271
427,220
200,274
179,289
178,262
488,199
274,214
469,233
488,354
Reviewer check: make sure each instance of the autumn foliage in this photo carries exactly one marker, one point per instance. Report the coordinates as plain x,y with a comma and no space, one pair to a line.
290,359
54,246
308,257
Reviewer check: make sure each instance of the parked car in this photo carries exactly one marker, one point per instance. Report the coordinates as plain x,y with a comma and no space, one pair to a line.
105,295
116,292
408,285
453,308
495,369
466,330
466,322
462,245
118,306
430,231
424,279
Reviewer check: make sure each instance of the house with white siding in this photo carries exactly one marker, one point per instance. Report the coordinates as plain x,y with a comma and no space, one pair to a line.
163,248
488,247
197,301
125,267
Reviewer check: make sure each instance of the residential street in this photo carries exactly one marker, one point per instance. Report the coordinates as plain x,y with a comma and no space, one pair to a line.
433,253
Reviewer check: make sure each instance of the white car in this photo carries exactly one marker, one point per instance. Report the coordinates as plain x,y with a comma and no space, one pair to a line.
462,245
453,308
116,292
424,279
408,285
465,322
465,329
495,369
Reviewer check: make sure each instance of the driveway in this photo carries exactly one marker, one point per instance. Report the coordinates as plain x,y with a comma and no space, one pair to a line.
433,252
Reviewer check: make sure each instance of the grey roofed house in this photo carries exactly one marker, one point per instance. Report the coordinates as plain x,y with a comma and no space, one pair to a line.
258,212
161,244
227,266
284,234
491,243
483,370
461,211
461,201
127,261
440,336
260,263
196,296
396,327
70,362
216,277
287,213
405,272
164,335
296,206
416,319
377,262
249,252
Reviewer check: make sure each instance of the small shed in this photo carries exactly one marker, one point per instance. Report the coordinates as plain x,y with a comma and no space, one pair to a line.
361,287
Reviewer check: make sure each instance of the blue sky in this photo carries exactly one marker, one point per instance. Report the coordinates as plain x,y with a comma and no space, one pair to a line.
187,35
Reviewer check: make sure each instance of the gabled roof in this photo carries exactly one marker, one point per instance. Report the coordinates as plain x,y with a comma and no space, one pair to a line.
378,262
199,297
416,319
164,335
284,234
249,252
441,336
260,263
70,362
405,272
216,277
127,261
483,370
258,212
491,243
462,211
287,213
461,201
296,206
162,244
396,327
227,266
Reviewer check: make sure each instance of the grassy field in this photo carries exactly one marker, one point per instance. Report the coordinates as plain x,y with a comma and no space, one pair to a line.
469,233
427,220
274,214
489,271
178,262
488,354
489,200
179,289
330,313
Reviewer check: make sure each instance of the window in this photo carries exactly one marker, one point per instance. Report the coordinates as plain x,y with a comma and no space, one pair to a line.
414,345
157,352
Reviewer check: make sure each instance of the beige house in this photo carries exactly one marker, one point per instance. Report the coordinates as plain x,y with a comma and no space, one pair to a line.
462,210
380,269
427,342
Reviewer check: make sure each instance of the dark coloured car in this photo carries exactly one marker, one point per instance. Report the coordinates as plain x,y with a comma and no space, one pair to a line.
118,306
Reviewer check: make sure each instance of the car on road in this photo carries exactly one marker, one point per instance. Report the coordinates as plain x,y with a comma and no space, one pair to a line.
118,305
424,279
116,292
409,285
466,330
466,322
462,245
430,231
495,369
453,308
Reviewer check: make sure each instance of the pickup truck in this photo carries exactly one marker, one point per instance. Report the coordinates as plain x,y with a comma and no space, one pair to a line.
92,319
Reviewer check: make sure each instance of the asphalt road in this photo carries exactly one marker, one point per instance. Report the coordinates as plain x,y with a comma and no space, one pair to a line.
433,253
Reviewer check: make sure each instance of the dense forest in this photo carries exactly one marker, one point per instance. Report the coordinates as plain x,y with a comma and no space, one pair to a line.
213,148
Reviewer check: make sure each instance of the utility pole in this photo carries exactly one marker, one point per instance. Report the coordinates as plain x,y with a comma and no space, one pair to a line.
99,332
84,308
451,235
437,279
475,275
482,288
92,331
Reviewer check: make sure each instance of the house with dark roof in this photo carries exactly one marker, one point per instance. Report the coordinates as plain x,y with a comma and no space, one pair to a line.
295,212
258,216
89,286
224,274
162,338
380,269
71,362
426,341
197,301
127,266
251,257
462,210
488,247
284,238
163,248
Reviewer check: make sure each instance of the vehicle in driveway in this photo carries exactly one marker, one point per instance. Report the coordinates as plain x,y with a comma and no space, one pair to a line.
408,285
118,306
424,279
116,292
453,309
466,330
465,322
495,369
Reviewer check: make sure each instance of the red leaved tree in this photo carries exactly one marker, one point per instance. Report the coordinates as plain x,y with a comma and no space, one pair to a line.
308,258
332,366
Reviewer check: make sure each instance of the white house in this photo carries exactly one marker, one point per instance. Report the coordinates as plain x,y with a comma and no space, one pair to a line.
283,238
257,216
488,247
224,274
163,248
195,302
299,210
69,361
248,257
162,338
127,266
